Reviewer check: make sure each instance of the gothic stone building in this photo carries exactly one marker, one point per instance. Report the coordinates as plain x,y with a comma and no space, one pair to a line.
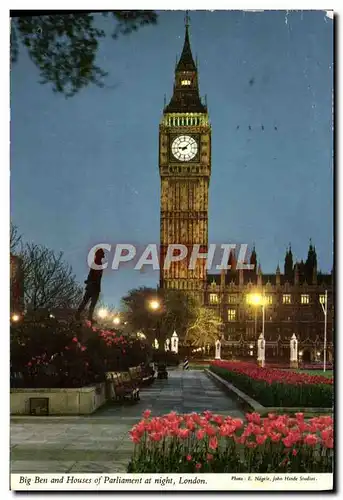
292,305
185,168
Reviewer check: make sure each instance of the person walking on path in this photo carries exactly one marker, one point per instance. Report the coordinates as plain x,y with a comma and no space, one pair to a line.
93,287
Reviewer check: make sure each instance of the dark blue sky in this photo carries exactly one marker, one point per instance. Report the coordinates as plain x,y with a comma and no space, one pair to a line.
85,170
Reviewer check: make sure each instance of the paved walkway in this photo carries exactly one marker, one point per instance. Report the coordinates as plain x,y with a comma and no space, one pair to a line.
100,442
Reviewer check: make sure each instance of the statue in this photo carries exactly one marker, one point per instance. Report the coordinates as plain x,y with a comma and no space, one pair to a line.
93,287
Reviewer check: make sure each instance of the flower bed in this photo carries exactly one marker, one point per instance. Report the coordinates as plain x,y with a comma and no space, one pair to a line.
272,387
215,443
50,354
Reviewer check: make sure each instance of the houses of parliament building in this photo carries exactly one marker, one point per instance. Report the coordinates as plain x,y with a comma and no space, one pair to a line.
293,295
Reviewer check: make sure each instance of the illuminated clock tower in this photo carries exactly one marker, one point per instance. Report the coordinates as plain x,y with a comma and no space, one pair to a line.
185,169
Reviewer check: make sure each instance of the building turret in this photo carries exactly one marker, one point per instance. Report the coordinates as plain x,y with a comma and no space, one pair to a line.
253,259
278,276
296,274
259,275
311,262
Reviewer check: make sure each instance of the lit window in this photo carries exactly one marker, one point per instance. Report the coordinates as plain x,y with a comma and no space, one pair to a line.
286,299
268,299
185,82
231,299
213,298
322,299
305,299
231,314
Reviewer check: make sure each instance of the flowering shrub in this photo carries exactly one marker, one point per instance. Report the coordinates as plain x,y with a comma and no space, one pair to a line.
54,354
214,443
272,387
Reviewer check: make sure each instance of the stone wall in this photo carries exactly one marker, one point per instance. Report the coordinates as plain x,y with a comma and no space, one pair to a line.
75,401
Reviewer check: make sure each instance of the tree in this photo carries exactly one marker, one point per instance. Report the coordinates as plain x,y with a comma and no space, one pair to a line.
64,46
15,238
175,312
205,329
49,281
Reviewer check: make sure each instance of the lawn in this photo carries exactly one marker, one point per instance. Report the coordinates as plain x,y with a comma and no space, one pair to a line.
327,373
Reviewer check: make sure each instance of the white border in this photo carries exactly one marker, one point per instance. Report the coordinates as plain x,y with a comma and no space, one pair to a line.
4,170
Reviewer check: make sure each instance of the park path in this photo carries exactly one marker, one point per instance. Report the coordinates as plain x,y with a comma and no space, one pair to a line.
100,442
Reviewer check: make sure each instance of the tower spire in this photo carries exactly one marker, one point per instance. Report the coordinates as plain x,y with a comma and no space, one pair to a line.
186,96
187,19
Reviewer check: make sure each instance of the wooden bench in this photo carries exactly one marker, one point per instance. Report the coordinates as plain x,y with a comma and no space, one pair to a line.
140,375
121,387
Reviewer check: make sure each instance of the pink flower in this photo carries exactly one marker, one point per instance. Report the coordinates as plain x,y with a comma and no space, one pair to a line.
210,430
213,443
198,466
189,458
146,413
311,439
83,348
294,452
156,436
260,439
183,433
209,456
200,434
74,339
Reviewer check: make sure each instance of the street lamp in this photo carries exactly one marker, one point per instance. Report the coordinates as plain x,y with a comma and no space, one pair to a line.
15,318
102,313
116,320
154,305
257,299
325,311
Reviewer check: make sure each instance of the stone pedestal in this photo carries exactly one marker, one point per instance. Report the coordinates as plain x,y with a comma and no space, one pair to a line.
294,352
175,343
218,346
261,344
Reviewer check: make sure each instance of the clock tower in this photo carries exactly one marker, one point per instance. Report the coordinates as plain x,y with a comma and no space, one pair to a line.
185,169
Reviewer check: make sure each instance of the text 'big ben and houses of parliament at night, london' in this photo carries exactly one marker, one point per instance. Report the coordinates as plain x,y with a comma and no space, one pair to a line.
293,297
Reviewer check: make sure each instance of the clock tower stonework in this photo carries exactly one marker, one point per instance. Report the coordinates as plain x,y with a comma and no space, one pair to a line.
185,169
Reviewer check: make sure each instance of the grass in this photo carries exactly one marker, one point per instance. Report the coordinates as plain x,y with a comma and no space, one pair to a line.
327,373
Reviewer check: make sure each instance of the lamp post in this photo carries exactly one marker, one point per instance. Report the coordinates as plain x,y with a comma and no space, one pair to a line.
325,311
259,300
155,305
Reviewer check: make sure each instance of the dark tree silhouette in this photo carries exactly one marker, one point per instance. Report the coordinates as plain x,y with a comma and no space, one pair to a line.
49,281
15,238
64,47
177,311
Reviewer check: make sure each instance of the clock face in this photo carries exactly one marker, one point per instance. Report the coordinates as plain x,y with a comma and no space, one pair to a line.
184,148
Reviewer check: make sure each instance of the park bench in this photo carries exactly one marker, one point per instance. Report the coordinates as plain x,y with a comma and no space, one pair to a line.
141,375
119,388
124,378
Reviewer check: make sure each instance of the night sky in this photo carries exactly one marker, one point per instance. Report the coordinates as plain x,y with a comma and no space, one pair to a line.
84,170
